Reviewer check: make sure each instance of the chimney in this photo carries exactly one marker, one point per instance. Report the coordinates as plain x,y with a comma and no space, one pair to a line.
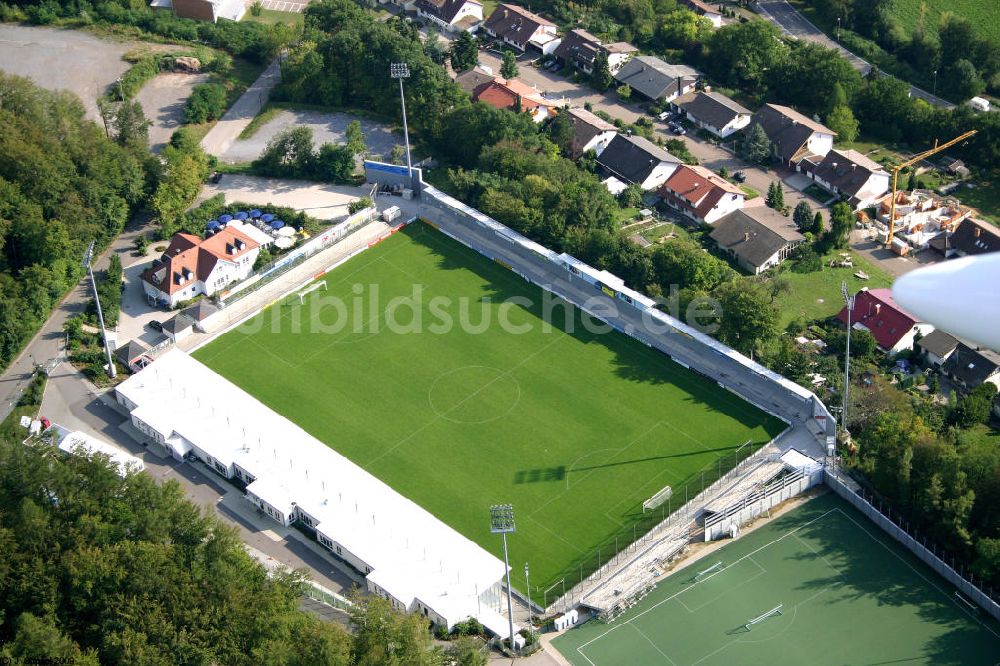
854,167
746,236
978,231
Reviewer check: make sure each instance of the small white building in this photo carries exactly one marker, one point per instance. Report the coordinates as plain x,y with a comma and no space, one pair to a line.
520,28
714,112
451,15
191,266
590,132
79,442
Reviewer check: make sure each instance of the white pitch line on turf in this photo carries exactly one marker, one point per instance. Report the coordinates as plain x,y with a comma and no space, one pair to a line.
676,594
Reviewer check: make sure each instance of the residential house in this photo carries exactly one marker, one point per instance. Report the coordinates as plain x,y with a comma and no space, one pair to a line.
451,15
192,266
204,10
178,327
590,132
474,78
520,28
937,346
579,49
513,94
793,136
714,112
705,10
848,173
972,237
658,80
922,216
758,237
968,368
633,159
701,194
893,328
956,167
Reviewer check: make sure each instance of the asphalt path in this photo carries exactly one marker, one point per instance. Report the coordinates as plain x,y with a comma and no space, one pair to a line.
793,24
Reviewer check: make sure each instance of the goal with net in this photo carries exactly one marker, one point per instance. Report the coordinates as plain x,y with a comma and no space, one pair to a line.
763,616
701,575
321,284
657,499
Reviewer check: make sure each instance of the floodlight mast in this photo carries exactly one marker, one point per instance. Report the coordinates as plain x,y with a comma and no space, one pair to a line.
502,523
849,302
88,264
401,70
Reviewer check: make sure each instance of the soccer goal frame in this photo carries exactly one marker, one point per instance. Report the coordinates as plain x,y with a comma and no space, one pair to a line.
659,498
311,288
700,576
763,616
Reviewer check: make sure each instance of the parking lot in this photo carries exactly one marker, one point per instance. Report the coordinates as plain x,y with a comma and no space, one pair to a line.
63,60
163,101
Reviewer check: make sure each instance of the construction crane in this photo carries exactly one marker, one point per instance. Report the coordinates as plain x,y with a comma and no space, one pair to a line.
899,167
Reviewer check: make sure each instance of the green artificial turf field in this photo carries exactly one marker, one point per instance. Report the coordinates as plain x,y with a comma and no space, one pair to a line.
575,429
849,595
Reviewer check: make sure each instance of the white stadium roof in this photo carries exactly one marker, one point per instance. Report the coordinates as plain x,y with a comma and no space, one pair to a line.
412,554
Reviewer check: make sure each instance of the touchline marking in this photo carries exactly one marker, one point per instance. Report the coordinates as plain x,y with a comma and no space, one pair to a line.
676,594
762,572
648,640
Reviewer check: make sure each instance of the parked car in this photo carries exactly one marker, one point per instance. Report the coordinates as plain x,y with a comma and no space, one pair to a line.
557,66
666,116
46,424
677,128
740,177
155,325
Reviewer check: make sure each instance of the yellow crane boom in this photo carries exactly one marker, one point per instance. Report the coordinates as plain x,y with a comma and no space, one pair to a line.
899,167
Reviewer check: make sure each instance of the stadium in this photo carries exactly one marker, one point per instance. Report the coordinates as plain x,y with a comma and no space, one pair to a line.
455,365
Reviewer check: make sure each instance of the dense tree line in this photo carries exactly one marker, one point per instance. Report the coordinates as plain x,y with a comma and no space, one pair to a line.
63,184
100,568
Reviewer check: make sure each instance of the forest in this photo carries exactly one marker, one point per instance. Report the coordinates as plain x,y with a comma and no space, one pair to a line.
63,184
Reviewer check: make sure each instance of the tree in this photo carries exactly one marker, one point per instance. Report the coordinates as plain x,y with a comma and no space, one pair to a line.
817,225
508,68
748,318
355,138
683,29
384,636
131,126
911,181
624,91
962,80
744,53
631,196
803,216
841,221
464,52
207,102
974,407
842,121
288,153
756,146
814,78
397,155
775,196
601,77
335,163
468,651
560,130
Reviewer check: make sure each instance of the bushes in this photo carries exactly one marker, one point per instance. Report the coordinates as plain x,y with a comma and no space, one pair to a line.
207,102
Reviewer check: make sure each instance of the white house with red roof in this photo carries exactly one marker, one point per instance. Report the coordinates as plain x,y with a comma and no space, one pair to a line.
701,194
192,266
893,328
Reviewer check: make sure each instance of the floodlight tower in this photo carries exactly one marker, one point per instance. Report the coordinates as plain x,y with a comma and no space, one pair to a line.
502,522
849,302
401,70
88,264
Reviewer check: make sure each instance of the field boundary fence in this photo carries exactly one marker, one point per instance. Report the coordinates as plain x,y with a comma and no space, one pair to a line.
899,529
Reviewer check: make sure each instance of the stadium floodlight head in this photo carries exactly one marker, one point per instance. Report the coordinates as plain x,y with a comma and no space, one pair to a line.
399,70
502,519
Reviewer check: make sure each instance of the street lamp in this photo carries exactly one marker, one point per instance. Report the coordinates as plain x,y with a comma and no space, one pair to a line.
502,522
88,264
401,70
527,590
934,90
838,28
849,302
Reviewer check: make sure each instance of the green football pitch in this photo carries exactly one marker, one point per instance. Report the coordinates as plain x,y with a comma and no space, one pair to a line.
574,427
848,594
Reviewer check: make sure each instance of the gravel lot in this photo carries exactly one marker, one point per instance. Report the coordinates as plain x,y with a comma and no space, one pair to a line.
326,127
63,59
163,100
323,201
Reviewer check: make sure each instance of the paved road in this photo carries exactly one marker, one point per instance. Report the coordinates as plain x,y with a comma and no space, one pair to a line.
221,137
47,345
793,24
